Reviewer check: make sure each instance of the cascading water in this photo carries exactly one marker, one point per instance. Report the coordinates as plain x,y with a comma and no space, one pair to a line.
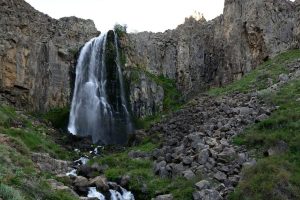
99,107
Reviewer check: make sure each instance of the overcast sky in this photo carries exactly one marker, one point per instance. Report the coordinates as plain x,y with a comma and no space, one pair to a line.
139,15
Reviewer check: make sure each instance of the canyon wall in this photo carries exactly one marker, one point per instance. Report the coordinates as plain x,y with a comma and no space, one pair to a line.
37,55
200,54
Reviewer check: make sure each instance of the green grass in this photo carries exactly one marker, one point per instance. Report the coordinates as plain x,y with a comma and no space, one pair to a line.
37,141
34,137
278,176
146,122
258,79
19,178
142,175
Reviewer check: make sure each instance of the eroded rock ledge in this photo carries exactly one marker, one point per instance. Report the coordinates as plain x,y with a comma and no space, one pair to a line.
37,55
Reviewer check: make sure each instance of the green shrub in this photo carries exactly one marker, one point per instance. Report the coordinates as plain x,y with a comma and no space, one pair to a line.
9,193
121,30
59,117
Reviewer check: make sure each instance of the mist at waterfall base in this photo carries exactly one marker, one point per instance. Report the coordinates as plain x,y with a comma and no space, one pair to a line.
99,106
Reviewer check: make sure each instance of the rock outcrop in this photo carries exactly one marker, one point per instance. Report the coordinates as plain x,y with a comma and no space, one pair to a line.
145,95
37,55
199,54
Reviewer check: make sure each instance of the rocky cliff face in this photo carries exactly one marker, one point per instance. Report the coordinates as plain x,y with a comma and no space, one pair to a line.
37,55
200,54
37,52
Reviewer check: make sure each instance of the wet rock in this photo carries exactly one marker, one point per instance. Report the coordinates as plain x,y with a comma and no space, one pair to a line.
81,181
125,181
81,184
100,182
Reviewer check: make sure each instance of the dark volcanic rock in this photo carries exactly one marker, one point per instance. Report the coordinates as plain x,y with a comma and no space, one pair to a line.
197,141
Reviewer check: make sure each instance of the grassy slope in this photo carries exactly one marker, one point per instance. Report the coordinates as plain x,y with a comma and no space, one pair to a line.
19,178
278,176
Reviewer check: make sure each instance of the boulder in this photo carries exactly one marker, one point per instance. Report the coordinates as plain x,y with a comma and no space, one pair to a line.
49,164
207,194
220,176
187,160
227,155
55,185
81,181
100,182
201,185
124,180
81,185
283,78
203,156
280,148
188,174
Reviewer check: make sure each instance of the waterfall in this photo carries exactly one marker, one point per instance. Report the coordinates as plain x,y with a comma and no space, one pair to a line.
99,106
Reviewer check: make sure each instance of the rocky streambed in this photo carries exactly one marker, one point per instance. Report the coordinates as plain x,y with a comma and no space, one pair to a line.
84,181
